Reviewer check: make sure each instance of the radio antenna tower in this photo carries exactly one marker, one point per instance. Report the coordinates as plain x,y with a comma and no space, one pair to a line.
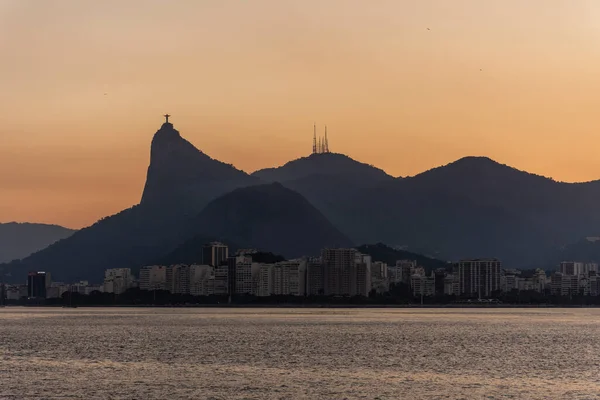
326,146
315,139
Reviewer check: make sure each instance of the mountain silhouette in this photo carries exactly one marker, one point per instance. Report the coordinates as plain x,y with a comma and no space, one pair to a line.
18,240
323,164
181,181
476,207
329,181
271,218
181,175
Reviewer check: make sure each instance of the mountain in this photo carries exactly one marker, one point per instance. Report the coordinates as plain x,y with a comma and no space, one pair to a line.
271,218
381,252
323,164
476,207
18,240
181,175
329,181
181,181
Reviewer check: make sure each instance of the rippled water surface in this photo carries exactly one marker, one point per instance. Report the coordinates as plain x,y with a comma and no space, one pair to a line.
123,353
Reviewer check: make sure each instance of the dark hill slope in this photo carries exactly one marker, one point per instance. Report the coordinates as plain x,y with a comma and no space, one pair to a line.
271,218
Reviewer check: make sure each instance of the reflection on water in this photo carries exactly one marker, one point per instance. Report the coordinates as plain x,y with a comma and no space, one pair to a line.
122,353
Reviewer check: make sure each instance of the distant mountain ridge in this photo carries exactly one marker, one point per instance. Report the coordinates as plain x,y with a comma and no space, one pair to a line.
473,207
18,240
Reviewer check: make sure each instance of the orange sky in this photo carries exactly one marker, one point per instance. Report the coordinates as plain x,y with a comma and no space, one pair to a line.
244,81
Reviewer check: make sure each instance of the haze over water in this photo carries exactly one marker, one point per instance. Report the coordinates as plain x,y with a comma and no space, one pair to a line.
125,353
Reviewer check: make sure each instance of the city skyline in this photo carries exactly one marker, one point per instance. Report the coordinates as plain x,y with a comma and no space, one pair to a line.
435,82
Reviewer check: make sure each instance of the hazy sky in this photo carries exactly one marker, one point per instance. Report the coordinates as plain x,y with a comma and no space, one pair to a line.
515,80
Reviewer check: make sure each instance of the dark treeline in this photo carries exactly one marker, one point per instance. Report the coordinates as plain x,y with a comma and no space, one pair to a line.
398,295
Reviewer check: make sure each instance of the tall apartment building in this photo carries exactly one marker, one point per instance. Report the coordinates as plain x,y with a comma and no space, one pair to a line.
153,277
423,285
402,271
362,265
477,278
379,277
265,280
215,254
564,284
246,275
571,268
339,272
289,278
314,278
178,279
222,282
202,280
439,276
37,283
117,280
539,280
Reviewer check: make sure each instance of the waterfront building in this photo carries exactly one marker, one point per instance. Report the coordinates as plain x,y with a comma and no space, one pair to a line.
564,284
339,272
540,280
265,280
246,275
509,282
362,265
450,285
222,282
117,280
571,268
439,276
402,271
289,277
314,278
379,277
215,254
178,279
423,285
153,277
202,280
37,283
478,277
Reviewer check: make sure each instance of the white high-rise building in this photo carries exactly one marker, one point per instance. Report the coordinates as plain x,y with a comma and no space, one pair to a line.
289,278
423,285
178,279
265,280
153,277
202,280
117,280
246,275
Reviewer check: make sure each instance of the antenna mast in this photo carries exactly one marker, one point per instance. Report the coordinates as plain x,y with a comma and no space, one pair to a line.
326,147
315,138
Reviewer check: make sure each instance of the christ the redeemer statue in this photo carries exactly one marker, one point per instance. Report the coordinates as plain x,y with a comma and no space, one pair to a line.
167,117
